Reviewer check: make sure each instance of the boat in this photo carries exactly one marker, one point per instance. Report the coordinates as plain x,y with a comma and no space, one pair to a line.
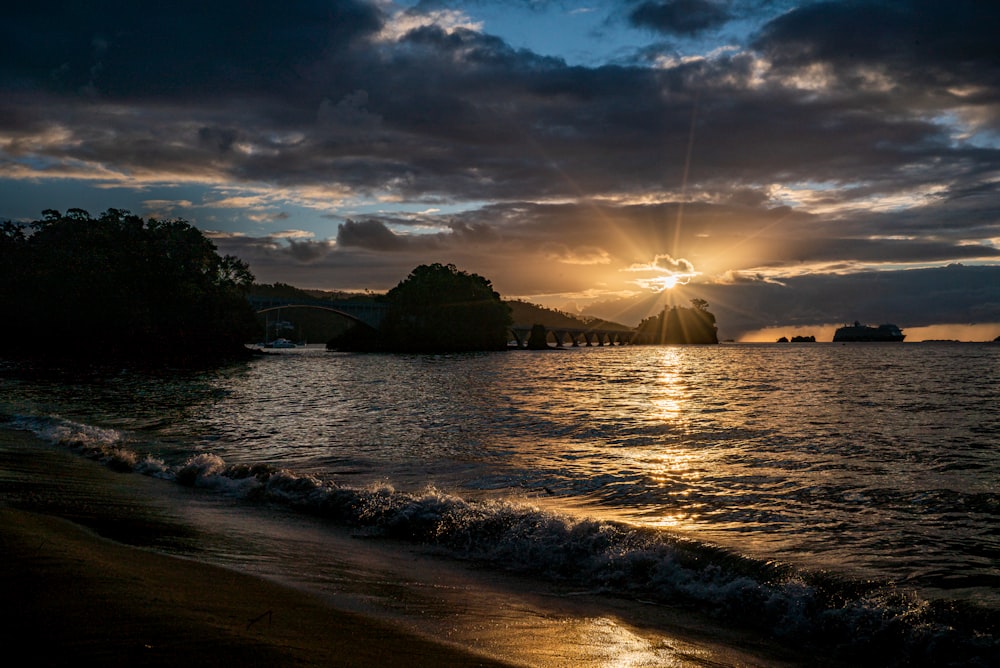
859,332
280,343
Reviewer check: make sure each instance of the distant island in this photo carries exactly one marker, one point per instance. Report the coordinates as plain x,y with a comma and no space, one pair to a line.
679,324
437,308
798,339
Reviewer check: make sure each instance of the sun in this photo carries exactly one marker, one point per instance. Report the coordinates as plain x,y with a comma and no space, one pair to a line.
668,281
661,282
662,273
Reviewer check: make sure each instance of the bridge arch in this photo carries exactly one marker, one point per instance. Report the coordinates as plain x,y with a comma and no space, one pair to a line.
366,313
575,336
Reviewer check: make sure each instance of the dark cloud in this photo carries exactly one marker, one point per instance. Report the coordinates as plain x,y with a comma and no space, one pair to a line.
446,116
374,235
218,138
679,17
371,234
118,48
308,251
919,44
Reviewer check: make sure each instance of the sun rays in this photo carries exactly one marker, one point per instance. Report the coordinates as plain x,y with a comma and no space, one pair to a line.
662,273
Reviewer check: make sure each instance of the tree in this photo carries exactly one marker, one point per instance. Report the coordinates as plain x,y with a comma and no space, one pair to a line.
119,287
438,308
678,324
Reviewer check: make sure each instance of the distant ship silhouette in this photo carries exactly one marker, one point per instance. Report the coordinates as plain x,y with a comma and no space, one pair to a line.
859,332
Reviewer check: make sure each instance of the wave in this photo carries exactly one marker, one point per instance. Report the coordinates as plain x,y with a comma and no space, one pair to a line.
872,623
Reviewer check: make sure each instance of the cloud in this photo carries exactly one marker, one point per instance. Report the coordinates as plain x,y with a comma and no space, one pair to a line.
662,272
292,234
403,22
164,207
309,251
919,48
679,17
678,266
370,234
115,49
584,255
489,122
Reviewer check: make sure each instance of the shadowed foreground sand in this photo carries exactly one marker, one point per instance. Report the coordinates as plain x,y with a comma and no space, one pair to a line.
80,584
70,596
73,597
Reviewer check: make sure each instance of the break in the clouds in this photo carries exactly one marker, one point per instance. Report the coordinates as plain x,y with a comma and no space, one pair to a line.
767,152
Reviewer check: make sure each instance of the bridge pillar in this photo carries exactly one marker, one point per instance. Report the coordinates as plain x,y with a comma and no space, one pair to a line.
520,337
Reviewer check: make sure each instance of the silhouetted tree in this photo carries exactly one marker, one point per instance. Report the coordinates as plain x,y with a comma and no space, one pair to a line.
677,324
117,287
437,308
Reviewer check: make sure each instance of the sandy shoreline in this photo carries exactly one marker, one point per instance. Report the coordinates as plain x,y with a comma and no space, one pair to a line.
71,596
86,578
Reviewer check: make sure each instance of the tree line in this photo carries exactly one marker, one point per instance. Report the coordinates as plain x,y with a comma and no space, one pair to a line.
118,287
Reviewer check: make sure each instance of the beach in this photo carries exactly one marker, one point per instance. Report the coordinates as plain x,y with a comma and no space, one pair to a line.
72,596
84,582
668,506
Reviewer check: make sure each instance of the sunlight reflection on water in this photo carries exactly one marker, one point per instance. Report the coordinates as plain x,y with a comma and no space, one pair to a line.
828,455
782,444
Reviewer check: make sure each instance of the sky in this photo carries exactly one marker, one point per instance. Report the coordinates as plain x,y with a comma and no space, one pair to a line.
799,165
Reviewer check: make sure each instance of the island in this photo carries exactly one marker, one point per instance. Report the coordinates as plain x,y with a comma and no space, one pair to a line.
437,308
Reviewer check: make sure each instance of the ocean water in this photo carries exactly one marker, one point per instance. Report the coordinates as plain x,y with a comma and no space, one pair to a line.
834,499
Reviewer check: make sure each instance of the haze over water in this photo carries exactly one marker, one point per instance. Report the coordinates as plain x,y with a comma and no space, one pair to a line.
871,464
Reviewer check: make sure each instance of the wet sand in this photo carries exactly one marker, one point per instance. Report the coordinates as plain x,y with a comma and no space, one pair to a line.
85,578
74,597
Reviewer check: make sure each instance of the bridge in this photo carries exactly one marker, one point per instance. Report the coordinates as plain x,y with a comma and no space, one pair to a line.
372,313
366,312
589,336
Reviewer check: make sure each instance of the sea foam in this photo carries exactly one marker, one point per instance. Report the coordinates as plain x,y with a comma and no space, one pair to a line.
872,623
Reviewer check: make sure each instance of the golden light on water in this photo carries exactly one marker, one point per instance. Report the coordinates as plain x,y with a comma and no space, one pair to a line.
607,643
668,406
671,464
670,396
